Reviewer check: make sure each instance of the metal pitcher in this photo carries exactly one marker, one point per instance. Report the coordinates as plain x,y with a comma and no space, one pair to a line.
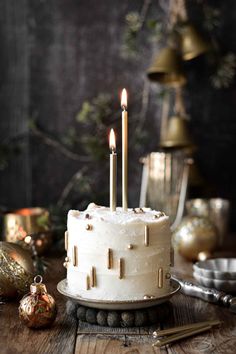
164,183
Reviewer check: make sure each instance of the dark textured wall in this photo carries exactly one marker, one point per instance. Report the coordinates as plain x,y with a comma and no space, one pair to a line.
55,54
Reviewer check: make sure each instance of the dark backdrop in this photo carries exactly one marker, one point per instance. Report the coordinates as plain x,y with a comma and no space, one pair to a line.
55,54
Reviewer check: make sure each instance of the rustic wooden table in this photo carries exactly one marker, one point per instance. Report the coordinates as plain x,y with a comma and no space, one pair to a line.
67,335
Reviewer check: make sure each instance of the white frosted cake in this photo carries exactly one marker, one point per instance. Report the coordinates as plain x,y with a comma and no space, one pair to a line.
118,255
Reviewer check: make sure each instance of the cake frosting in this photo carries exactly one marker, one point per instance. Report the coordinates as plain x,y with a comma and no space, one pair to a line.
118,255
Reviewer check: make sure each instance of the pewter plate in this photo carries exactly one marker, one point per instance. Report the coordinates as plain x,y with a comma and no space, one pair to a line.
62,287
228,286
217,268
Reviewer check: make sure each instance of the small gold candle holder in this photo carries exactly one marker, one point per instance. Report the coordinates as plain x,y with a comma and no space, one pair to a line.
26,225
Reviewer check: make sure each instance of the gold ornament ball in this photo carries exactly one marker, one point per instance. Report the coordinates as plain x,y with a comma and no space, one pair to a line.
193,236
38,308
16,270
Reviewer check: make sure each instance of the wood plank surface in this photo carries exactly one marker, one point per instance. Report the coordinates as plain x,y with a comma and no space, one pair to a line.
65,337
185,310
15,338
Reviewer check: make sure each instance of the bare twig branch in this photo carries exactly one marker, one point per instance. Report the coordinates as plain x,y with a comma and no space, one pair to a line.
70,185
57,145
144,11
144,107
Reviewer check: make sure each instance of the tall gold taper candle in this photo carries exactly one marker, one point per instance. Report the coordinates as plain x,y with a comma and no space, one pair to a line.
124,150
113,168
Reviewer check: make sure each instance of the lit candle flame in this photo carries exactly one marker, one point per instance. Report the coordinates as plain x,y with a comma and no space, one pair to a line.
124,99
112,140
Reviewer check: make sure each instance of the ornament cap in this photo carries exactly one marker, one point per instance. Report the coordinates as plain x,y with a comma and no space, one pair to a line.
37,287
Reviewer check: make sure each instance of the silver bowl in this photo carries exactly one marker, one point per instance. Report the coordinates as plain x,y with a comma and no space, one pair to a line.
218,268
228,286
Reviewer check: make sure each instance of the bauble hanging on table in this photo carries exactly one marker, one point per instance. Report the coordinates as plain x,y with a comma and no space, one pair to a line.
16,270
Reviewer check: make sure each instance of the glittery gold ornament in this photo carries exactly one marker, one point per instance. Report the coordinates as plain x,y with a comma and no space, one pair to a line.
38,308
16,270
195,235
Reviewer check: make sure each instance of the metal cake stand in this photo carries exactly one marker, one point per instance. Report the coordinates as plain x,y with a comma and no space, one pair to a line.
63,288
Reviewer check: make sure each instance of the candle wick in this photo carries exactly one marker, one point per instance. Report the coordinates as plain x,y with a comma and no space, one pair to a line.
123,108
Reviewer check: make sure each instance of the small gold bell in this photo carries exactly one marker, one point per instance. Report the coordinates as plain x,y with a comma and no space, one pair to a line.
191,43
177,135
38,308
166,68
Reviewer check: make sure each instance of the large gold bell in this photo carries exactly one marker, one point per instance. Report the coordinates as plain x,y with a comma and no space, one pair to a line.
191,43
177,134
166,68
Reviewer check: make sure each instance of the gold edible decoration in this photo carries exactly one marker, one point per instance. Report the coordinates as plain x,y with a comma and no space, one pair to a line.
87,282
146,297
138,210
93,277
89,227
172,256
160,278
65,264
109,259
75,256
159,215
130,246
121,268
146,236
168,275
66,240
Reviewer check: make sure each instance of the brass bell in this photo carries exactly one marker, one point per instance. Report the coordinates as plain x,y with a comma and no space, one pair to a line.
191,43
177,134
166,68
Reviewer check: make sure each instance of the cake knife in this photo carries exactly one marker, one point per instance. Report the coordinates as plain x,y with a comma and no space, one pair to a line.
207,294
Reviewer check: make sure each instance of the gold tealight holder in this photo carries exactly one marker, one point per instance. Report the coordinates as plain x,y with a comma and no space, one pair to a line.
28,225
